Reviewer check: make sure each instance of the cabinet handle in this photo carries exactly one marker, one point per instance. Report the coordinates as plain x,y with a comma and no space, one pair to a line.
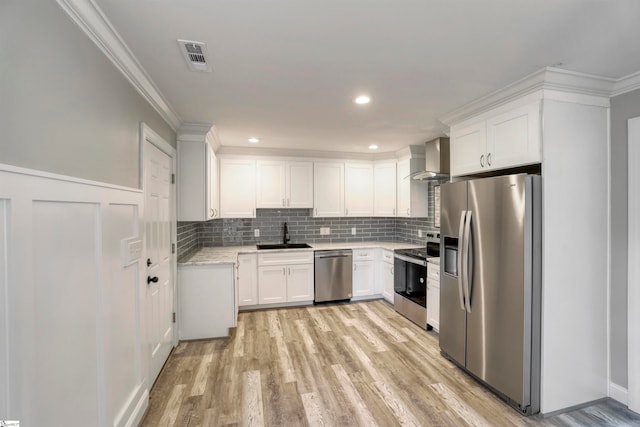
408,211
284,271
211,214
489,159
283,204
289,268
215,212
482,161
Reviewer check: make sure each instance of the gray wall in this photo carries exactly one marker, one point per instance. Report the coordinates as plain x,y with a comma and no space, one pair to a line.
64,107
623,107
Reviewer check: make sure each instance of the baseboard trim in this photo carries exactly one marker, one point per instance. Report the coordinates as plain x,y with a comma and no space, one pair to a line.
619,393
139,411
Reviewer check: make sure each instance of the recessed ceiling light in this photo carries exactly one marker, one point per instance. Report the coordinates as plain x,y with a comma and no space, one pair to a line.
362,99
253,140
373,147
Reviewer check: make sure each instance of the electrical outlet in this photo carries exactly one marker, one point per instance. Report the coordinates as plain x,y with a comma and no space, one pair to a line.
324,231
256,232
353,231
419,233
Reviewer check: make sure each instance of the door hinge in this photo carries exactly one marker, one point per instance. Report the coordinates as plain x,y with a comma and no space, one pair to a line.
174,317
173,248
173,178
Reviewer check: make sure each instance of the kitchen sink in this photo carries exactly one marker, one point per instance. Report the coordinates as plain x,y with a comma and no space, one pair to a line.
283,246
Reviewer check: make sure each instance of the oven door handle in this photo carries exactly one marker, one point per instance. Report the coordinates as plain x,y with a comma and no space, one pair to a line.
460,261
411,260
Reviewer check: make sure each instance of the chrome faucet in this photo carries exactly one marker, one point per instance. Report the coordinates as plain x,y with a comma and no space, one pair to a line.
285,237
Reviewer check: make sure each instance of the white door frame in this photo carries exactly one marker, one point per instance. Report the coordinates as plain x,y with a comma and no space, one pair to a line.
633,264
148,135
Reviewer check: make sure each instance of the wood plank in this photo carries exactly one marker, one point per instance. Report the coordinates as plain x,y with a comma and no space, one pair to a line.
252,413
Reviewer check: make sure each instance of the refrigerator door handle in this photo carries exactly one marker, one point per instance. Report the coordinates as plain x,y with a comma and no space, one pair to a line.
467,262
459,261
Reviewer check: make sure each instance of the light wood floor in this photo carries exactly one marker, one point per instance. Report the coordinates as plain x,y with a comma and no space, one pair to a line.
339,365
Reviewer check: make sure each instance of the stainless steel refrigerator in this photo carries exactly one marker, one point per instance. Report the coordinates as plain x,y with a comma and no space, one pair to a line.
490,288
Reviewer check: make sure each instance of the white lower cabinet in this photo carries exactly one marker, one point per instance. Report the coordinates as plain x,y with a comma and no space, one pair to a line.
285,277
247,280
433,295
364,278
272,282
207,301
386,275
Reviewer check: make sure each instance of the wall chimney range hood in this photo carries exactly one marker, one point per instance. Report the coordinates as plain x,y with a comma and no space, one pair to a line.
436,160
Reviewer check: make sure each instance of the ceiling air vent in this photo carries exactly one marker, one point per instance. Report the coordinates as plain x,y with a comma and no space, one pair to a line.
195,53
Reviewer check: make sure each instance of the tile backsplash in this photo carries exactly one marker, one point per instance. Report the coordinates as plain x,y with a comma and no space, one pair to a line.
303,227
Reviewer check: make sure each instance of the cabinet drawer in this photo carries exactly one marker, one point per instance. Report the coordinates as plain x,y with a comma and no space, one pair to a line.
281,258
363,254
387,256
433,284
433,272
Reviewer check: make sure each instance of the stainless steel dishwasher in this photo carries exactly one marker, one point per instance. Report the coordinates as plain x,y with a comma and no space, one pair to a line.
333,275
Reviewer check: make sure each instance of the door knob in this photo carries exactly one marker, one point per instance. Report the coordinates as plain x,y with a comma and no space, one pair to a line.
152,279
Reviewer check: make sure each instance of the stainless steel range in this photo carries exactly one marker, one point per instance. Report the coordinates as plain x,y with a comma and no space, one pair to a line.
410,279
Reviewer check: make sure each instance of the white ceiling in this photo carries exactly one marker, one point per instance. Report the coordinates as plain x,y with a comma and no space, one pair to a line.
287,70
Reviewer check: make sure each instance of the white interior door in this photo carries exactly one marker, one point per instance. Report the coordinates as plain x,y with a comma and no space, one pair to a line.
633,316
157,215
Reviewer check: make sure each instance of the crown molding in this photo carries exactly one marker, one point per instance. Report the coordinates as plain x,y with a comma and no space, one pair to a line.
88,16
626,84
545,80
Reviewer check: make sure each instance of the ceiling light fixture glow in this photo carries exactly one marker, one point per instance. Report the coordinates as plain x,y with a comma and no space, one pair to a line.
362,99
253,140
373,147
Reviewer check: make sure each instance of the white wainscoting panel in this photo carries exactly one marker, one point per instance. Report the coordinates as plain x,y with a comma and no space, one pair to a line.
4,312
66,268
71,341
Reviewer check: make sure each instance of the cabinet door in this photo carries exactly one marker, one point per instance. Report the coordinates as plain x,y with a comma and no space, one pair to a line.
247,280
192,188
300,283
212,184
328,189
270,184
513,138
272,284
237,188
404,188
468,149
387,281
433,304
299,185
364,281
384,189
358,194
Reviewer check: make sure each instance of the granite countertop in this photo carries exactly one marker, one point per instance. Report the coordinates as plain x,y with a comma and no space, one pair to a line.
229,254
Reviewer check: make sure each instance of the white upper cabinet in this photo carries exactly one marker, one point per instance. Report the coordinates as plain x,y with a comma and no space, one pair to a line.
468,148
328,189
237,188
384,188
513,138
412,194
358,189
271,184
299,188
197,181
500,139
283,184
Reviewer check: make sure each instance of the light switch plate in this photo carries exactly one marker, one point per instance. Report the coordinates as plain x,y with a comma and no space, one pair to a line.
353,231
131,250
419,233
324,231
256,232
